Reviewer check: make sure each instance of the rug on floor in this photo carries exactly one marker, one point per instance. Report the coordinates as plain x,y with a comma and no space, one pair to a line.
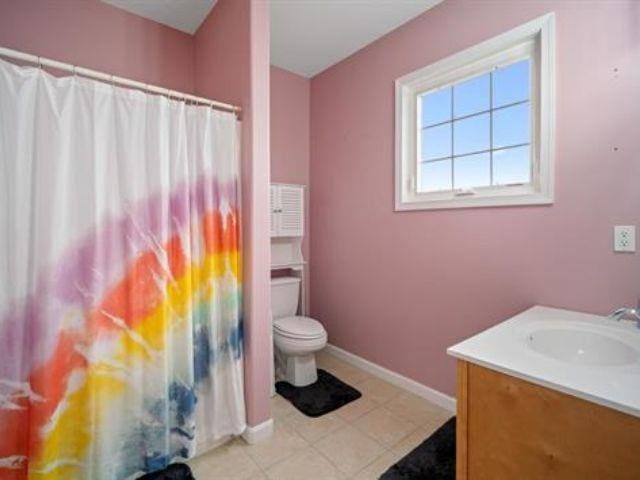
433,459
325,395
175,471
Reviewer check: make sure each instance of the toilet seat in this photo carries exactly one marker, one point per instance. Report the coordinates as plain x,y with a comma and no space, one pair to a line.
299,327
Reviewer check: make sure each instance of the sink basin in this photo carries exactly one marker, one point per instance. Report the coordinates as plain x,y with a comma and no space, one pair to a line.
582,346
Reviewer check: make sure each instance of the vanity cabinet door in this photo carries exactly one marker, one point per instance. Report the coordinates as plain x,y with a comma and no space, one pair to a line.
512,429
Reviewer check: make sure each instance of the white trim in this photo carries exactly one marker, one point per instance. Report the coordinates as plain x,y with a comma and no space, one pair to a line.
428,393
535,39
258,433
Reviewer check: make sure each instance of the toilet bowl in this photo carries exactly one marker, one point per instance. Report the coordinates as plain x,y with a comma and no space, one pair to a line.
296,338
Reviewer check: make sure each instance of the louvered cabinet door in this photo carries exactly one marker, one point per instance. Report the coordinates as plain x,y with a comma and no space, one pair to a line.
291,208
275,210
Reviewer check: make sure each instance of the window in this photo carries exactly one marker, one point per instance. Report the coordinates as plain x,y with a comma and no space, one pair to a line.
476,129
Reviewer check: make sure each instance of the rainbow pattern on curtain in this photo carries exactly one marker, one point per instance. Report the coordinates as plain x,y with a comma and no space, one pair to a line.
120,279
56,416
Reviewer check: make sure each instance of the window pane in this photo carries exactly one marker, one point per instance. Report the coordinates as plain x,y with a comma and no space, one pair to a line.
471,134
436,107
435,176
511,83
511,165
471,96
511,126
472,171
436,142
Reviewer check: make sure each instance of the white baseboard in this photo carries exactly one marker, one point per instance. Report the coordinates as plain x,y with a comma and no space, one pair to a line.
428,393
257,433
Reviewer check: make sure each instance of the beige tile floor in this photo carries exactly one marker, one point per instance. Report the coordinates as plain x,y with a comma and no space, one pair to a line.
358,441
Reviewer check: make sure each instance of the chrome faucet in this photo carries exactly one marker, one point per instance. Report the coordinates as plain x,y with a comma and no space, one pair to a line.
632,314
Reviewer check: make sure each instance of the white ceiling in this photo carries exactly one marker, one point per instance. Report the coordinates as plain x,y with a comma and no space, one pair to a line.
185,15
307,36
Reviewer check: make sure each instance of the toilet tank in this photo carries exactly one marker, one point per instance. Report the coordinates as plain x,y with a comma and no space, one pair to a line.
285,292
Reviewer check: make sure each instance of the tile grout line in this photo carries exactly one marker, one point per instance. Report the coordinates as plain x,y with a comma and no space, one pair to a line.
288,457
330,461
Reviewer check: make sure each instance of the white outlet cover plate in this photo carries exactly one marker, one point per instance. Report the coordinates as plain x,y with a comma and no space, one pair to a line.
624,238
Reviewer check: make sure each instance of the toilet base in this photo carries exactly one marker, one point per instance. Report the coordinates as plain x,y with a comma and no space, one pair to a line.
299,371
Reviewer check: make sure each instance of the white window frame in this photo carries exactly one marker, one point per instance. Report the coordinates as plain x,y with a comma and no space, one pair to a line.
535,39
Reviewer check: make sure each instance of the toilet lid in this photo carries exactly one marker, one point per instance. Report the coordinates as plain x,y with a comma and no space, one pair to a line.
298,327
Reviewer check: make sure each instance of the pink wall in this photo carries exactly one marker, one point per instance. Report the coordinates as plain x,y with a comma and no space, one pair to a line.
93,34
398,288
289,127
290,102
232,65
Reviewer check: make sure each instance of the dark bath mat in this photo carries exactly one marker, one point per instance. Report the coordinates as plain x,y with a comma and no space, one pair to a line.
433,459
175,471
325,395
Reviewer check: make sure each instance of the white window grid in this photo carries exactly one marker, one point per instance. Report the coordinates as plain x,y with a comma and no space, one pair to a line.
454,119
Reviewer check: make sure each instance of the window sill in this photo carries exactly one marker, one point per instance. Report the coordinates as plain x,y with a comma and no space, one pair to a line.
427,202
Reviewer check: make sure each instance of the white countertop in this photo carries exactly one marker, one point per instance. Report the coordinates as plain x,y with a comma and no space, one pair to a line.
505,348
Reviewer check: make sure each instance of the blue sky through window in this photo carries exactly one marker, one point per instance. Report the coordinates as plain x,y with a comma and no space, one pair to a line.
436,142
511,84
511,165
436,175
472,171
471,134
471,96
511,125
489,144
436,107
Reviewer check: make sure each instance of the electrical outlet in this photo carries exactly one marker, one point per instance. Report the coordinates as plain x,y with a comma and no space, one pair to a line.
624,238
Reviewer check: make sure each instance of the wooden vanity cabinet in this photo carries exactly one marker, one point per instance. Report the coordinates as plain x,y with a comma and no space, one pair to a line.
511,429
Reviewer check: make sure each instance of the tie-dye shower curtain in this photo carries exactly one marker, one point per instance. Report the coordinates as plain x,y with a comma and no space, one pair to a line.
120,287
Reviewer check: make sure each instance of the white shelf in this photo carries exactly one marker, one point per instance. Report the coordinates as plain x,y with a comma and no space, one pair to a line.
281,266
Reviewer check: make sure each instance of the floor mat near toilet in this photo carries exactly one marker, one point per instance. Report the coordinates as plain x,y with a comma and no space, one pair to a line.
433,459
175,471
325,395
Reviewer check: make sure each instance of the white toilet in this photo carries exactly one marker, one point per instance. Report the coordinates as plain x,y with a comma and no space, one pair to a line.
296,338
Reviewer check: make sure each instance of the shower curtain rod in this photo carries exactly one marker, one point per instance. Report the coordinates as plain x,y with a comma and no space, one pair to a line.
87,72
